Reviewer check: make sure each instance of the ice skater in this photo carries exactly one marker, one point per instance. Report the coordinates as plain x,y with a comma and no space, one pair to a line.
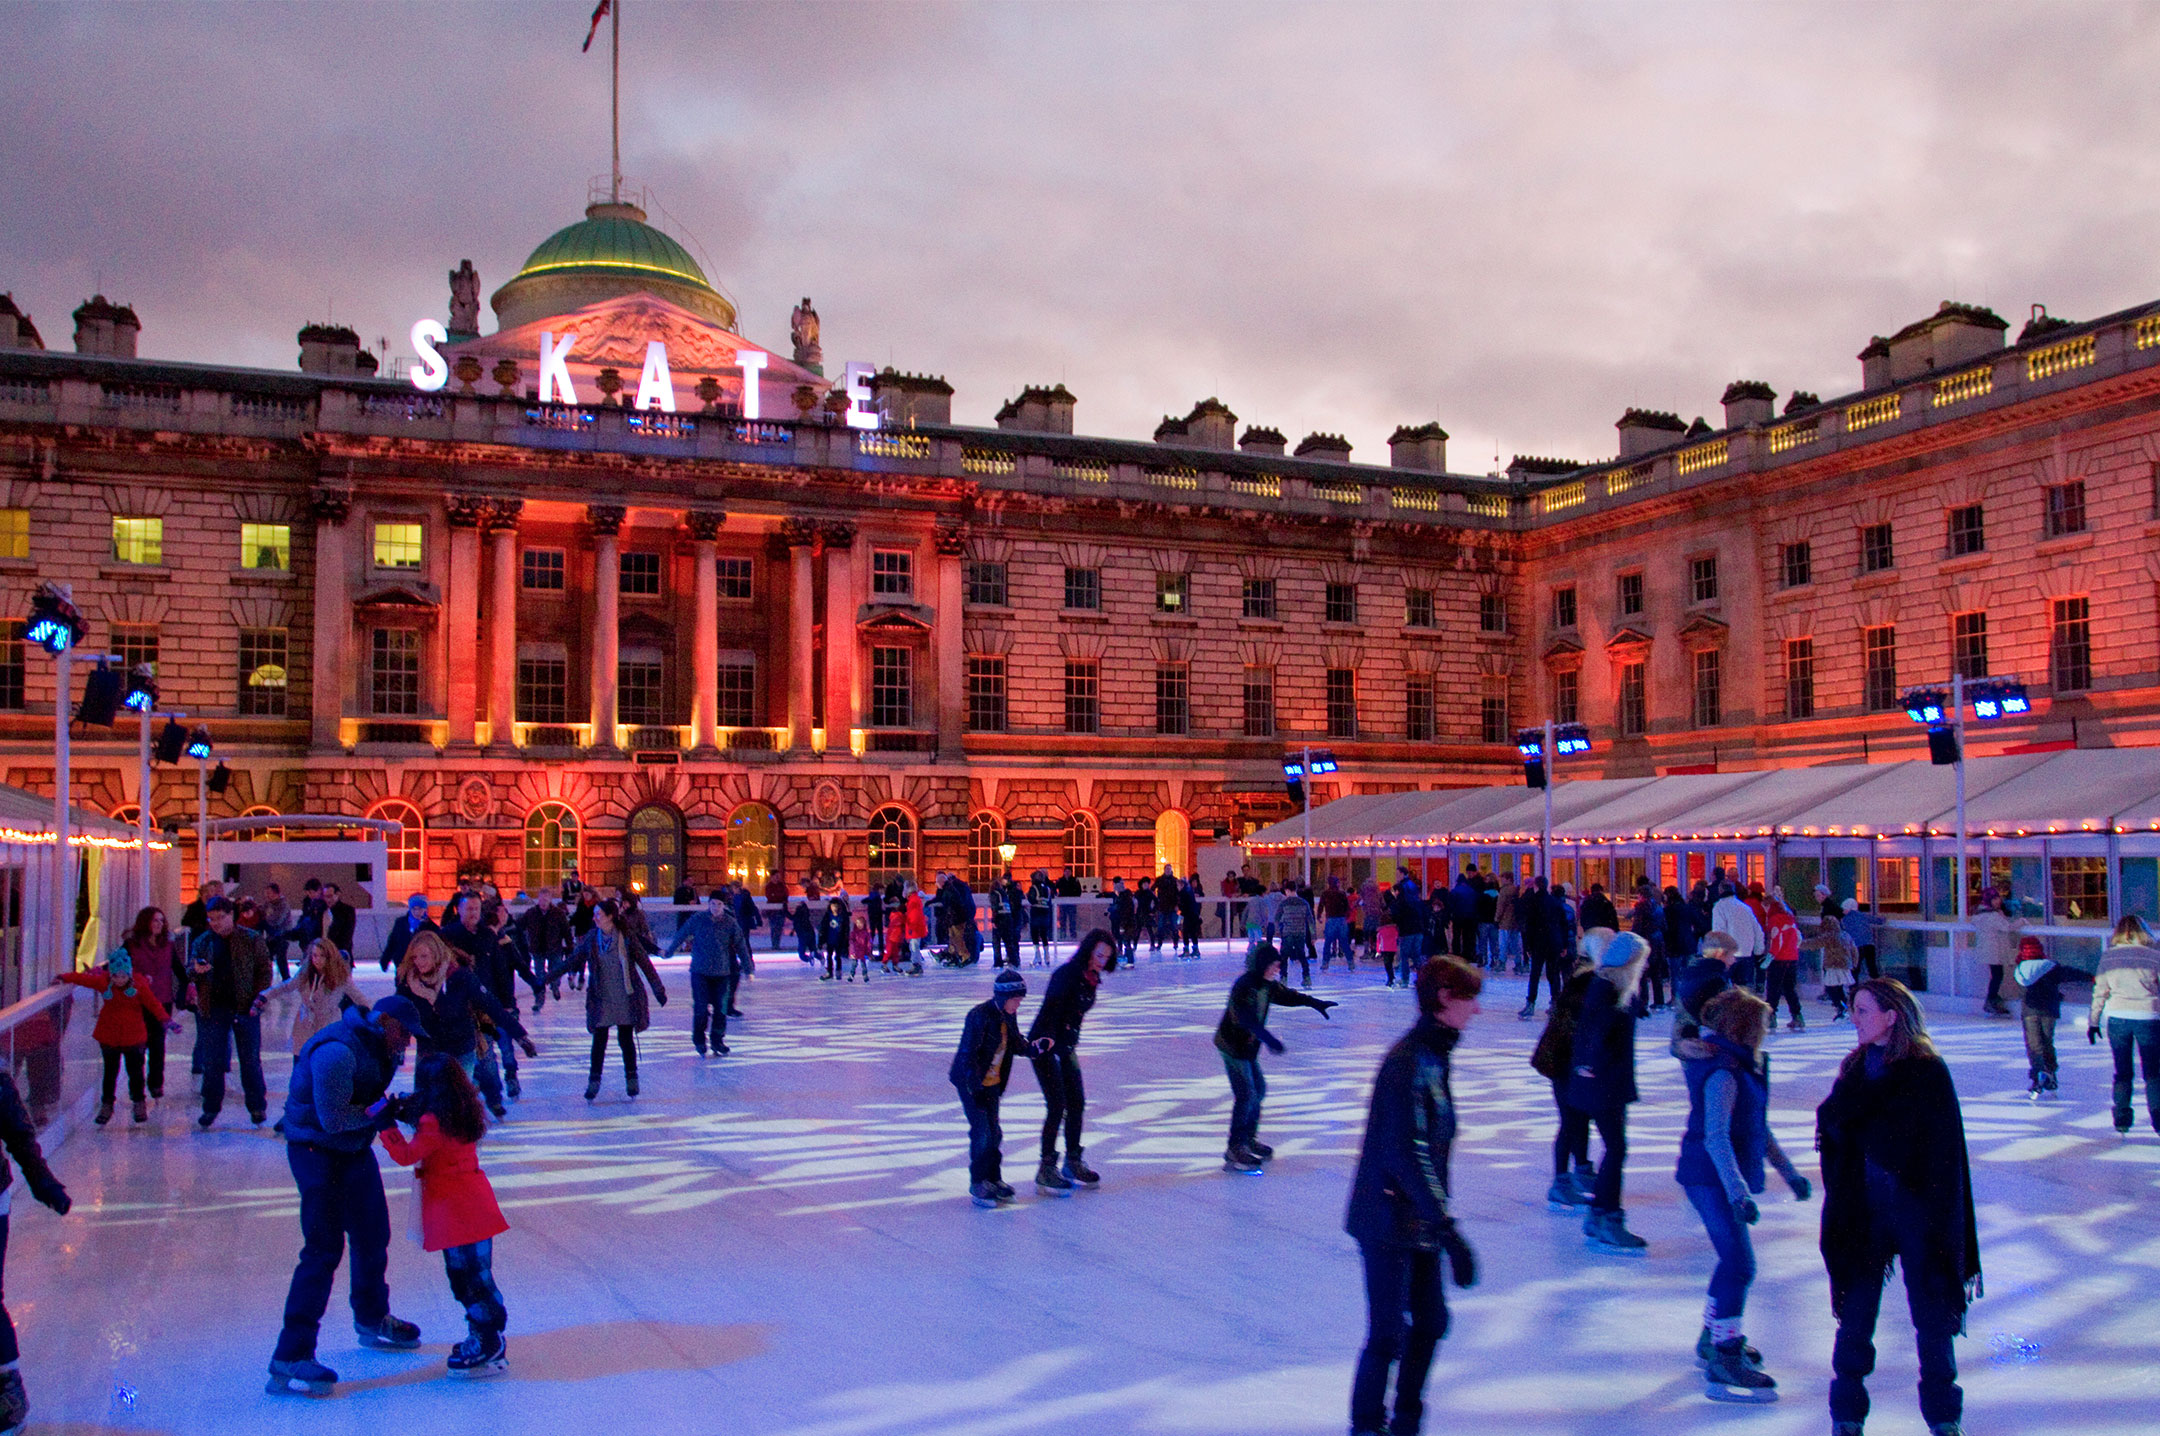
2126,993
1066,1001
2042,979
981,1069
1602,1084
860,941
125,1020
1240,1035
1721,1169
1399,1204
19,1134
459,1216
1551,1059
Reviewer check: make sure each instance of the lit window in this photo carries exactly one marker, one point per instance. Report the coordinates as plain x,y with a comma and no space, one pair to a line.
733,578
986,834
1173,593
985,693
1083,696
892,573
1173,704
397,545
405,844
891,852
551,845
541,570
14,533
138,540
262,672
639,576
986,584
1083,845
267,546
892,687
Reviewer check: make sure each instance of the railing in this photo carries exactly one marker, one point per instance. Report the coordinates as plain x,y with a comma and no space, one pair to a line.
45,1041
1257,487
1182,479
987,461
1090,471
753,740
269,407
757,431
1869,412
2061,358
1797,434
1561,497
407,407
655,738
2147,333
25,391
887,444
142,398
1488,506
1712,455
1424,501
1336,493
550,735
658,424
1971,384
562,418
884,740
1619,481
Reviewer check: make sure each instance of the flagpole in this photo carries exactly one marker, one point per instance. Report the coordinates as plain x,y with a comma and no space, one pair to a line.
615,101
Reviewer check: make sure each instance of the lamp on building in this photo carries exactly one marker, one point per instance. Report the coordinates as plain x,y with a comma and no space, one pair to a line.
55,624
171,742
141,693
1007,852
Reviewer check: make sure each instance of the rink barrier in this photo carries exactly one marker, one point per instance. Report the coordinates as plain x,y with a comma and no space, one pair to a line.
46,1041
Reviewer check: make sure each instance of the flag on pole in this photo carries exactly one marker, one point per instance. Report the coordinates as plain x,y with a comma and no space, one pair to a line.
600,12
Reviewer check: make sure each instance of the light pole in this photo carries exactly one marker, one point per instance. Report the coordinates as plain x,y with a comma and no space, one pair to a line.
198,748
1944,717
1297,772
56,626
141,700
1560,740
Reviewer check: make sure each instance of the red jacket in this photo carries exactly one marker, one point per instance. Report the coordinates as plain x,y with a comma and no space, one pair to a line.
123,1020
1784,936
918,924
457,1205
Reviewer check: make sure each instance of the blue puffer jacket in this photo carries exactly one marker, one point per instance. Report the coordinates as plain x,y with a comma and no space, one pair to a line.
1750,1131
343,1069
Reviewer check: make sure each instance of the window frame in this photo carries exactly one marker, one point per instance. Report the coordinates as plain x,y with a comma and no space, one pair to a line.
380,541
986,583
1796,564
388,685
892,575
1258,600
1341,687
1173,593
14,665
1492,613
533,685
1340,603
139,535
1965,530
649,680
1083,583
1878,668
1257,698
2070,665
1421,709
1631,699
534,563
14,534
641,573
892,687
1494,725
735,578
1969,644
1628,593
1799,655
735,698
1704,584
2066,512
1566,607
1421,608
1878,548
1567,695
988,699
279,545
1706,687
1083,696
1173,700
273,648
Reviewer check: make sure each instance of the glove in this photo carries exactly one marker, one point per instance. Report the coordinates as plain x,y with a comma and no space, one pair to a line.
1324,1006
525,1045
2092,1033
53,1195
1462,1261
1745,1211
1802,1189
1274,1043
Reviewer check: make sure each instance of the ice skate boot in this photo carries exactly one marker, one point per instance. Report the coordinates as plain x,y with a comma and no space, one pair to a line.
1947,1428
592,1089
1608,1232
1260,1149
389,1334
1078,1173
1241,1161
1049,1183
1006,1195
471,1358
982,1194
104,1115
305,1377
1847,1428
1705,1344
630,1084
512,1088
14,1402
1564,1195
141,1113
1729,1376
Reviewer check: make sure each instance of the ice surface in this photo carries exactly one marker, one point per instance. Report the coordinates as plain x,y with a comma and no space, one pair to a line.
779,1242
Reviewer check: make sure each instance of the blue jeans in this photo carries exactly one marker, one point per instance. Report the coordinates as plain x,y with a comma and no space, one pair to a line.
341,1199
2132,1042
986,1138
1406,1316
1409,955
220,1033
471,1269
1735,1270
1334,941
1248,1089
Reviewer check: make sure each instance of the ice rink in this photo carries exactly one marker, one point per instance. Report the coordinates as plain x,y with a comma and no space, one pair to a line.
779,1242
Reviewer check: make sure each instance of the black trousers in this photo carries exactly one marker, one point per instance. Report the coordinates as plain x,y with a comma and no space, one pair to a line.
625,1036
1571,1143
1064,1101
341,1201
708,1008
1554,967
113,1057
1406,1317
156,1061
1007,942
1785,987
1611,1124
1899,1233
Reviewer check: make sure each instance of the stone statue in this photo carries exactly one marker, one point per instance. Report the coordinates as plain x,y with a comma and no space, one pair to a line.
803,326
464,301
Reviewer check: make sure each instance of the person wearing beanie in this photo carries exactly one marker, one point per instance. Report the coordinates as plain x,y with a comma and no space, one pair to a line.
124,1023
1067,999
980,1071
2042,978
1239,1037
1602,1082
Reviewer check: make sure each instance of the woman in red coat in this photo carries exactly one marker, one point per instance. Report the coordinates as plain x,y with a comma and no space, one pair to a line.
124,1024
458,1213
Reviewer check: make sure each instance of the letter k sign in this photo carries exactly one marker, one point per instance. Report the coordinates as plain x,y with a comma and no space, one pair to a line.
555,371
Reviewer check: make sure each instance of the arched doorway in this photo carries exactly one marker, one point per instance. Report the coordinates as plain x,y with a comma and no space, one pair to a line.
986,834
404,872
892,845
1173,842
753,846
655,852
551,845
1083,847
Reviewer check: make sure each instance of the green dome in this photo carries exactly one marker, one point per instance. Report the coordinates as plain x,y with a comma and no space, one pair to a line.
609,253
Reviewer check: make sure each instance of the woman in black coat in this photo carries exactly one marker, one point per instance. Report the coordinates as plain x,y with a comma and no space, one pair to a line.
1603,1082
1896,1184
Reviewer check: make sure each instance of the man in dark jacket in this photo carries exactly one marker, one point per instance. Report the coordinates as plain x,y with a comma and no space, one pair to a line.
1544,938
1239,1037
1598,910
544,932
980,1070
229,968
718,951
334,1109
1399,1203
338,919
19,1134
404,929
1065,1006
1701,980
1124,918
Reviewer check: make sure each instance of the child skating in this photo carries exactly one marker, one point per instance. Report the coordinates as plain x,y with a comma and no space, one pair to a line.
980,1071
125,1022
860,943
1240,1035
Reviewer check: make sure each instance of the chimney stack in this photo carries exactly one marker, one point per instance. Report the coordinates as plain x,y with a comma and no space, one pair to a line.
1039,411
1748,401
1324,448
1644,431
16,330
1210,425
1424,447
106,329
333,349
910,399
1262,440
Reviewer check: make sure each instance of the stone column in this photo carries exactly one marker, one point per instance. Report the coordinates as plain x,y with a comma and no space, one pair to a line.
333,615
705,632
502,523
950,648
842,705
800,536
606,521
461,648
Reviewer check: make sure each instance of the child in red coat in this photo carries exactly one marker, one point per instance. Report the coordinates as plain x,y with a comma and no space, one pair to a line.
458,1213
123,1027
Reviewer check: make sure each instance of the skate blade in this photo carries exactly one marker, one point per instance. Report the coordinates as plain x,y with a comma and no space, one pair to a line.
477,1373
1740,1395
284,1386
985,1203
1608,1250
1052,1191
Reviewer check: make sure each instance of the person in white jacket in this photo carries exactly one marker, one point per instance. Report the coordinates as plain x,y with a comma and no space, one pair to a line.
1995,935
1733,917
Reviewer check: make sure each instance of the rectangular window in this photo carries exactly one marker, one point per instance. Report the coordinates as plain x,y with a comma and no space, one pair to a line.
892,687
737,705
985,584
1342,703
1567,697
1083,588
1259,598
543,690
1493,724
1632,712
13,673
1342,603
2078,887
1419,722
1418,608
892,574
1879,690
1709,686
1630,595
639,576
2072,645
1083,695
1799,678
262,672
1968,530
541,570
1877,552
138,540
14,533
733,577
2066,508
1563,607
986,693
1259,702
640,697
1173,704
266,546
394,672
136,645
1173,593
397,544
1797,560
1968,645
1702,579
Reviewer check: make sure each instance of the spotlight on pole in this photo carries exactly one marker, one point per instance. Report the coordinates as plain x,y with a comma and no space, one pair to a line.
1998,698
1927,706
198,744
141,694
1293,772
101,697
171,742
220,777
1530,743
55,624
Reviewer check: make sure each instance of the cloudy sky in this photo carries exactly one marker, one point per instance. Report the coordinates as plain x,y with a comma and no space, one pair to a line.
1516,219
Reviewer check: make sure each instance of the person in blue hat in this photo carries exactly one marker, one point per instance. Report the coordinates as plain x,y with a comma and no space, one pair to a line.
405,929
981,1069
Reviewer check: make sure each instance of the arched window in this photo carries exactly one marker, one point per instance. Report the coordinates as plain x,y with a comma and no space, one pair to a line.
892,845
551,845
656,852
1173,842
128,813
1083,846
986,833
260,835
753,846
405,870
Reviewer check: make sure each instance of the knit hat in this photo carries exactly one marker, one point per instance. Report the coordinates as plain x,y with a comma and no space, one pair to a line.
402,1010
1851,905
2029,947
120,967
1008,983
1625,948
418,900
